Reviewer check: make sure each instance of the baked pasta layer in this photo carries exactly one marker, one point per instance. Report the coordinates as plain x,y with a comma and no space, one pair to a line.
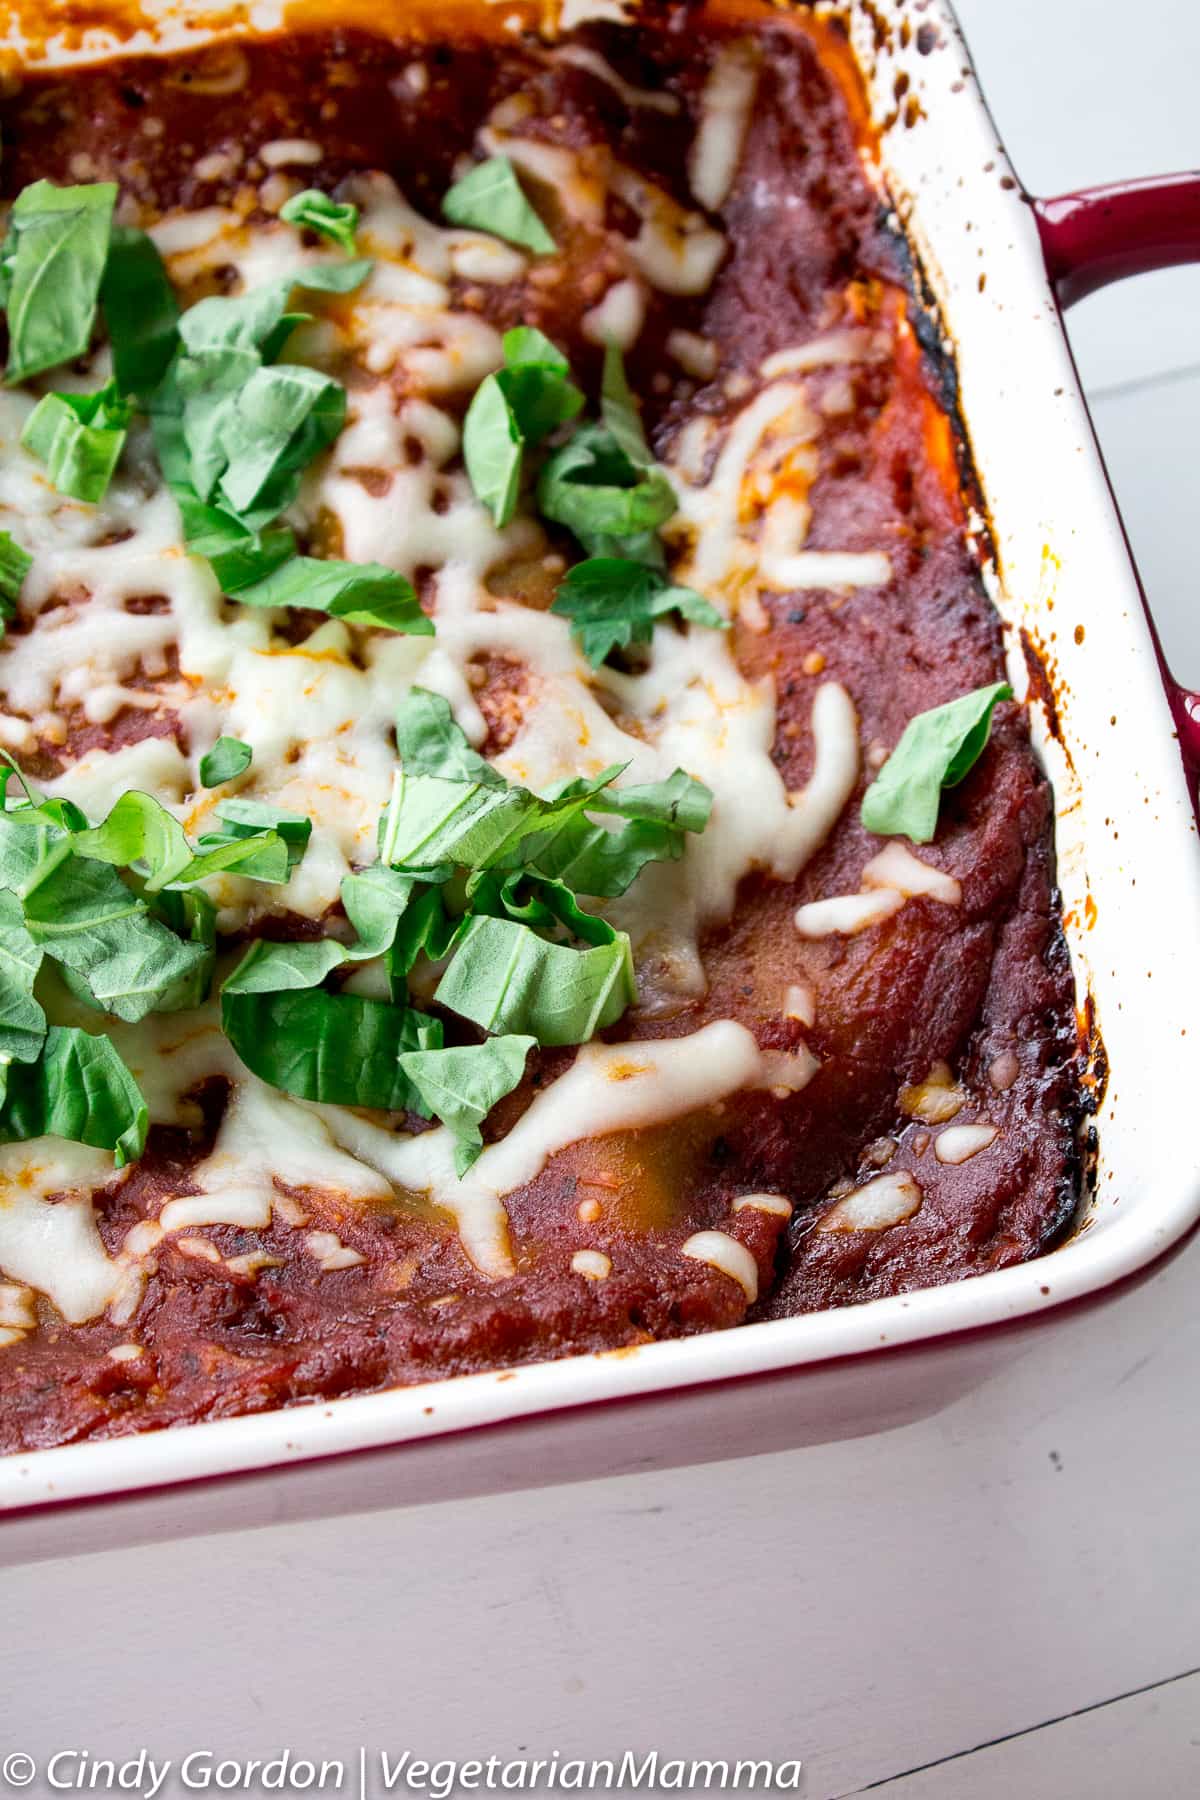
540,603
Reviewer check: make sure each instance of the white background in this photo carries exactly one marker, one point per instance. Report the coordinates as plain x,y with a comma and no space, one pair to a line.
1003,1599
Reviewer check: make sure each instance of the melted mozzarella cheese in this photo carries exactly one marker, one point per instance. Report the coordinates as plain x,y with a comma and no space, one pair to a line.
725,107
720,1251
55,1245
319,714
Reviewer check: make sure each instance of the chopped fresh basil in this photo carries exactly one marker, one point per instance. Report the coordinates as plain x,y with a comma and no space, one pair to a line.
601,862
375,902
465,814
611,504
535,899
431,823
937,750
431,742
227,759
680,801
259,320
506,978
140,311
239,557
360,593
461,1085
79,437
235,430
613,603
491,199
536,380
336,1048
22,1021
124,960
274,968
78,1088
260,827
51,264
272,429
314,211
492,450
424,929
517,406
15,565
619,410
190,914
140,834
139,829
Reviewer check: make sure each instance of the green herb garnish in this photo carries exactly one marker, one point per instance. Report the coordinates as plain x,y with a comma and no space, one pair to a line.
491,199
613,603
79,437
228,758
516,407
51,264
938,749
314,211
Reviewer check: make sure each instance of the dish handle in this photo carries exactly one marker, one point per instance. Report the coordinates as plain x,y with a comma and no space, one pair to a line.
1103,234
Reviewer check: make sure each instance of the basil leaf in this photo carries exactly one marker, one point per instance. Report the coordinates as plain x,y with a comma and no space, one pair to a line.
425,928
314,211
140,832
336,1048
262,829
492,450
79,437
680,800
506,978
269,967
431,742
430,823
15,565
253,321
374,903
613,603
228,758
138,829
78,1088
140,311
593,488
225,413
274,426
491,199
126,962
190,914
619,410
602,862
937,750
22,1021
535,900
359,593
238,556
536,381
379,904
460,1086
53,260
520,404
32,843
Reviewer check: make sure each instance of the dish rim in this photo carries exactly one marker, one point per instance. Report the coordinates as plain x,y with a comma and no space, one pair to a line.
1108,1243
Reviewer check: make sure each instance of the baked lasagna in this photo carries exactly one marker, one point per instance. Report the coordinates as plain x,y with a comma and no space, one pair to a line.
516,837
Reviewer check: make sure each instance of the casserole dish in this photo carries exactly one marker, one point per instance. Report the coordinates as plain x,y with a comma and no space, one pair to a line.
992,312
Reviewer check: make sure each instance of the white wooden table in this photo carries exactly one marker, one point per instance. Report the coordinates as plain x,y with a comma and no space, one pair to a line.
1002,1599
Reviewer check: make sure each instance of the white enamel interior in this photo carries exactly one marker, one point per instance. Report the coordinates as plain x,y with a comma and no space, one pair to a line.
1126,837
